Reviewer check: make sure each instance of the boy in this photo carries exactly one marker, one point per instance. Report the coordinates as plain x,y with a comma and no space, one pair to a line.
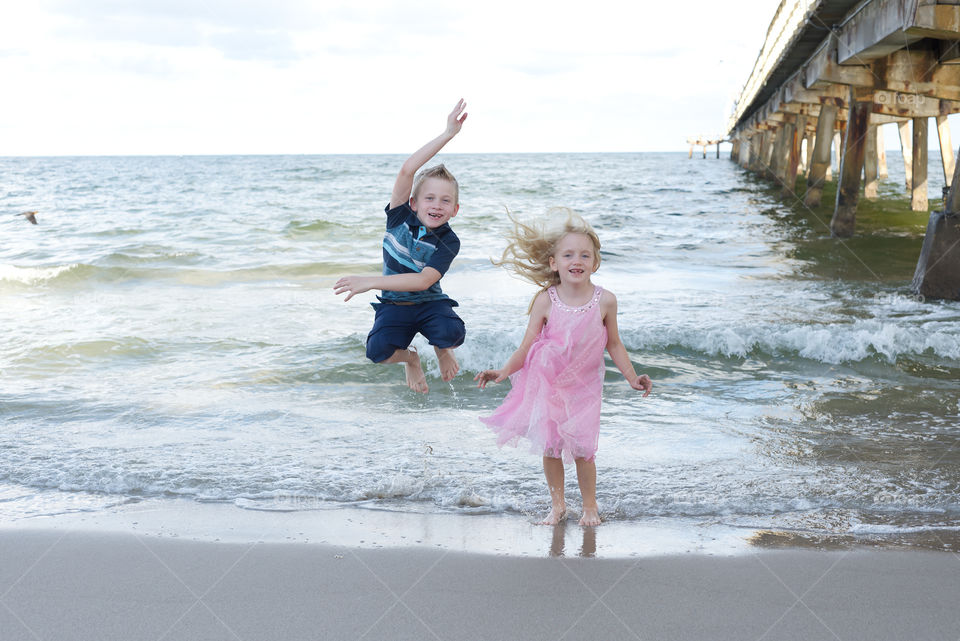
417,251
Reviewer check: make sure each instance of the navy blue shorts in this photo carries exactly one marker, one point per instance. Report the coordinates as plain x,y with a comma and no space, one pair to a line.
394,326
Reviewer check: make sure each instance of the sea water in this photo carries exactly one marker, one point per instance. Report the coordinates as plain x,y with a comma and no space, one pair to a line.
170,332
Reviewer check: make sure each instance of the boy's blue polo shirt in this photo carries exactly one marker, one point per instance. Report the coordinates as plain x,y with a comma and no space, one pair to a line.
409,247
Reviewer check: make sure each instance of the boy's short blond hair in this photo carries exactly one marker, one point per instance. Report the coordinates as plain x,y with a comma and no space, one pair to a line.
437,171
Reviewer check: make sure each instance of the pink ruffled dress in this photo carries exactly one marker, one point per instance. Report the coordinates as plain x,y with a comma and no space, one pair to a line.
554,400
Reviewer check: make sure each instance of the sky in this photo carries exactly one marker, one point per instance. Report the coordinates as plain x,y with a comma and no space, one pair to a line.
101,77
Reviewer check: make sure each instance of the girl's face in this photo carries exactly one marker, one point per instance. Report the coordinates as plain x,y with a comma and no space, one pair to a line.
574,258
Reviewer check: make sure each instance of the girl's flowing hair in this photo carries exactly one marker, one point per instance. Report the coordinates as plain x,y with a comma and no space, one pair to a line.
530,246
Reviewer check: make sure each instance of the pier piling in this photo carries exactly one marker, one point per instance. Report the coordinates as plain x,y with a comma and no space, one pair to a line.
946,149
870,164
821,155
788,169
906,148
938,268
851,166
918,191
881,156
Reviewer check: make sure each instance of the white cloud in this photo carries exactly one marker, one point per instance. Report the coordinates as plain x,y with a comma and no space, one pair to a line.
292,76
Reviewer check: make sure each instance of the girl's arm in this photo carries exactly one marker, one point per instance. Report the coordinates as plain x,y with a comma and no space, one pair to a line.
538,316
616,349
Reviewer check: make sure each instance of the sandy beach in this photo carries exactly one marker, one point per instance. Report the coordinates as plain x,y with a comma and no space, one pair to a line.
79,584
194,445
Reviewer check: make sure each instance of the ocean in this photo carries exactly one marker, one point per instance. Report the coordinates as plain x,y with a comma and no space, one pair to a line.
170,333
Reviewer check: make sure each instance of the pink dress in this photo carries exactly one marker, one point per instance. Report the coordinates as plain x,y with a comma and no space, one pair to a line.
554,400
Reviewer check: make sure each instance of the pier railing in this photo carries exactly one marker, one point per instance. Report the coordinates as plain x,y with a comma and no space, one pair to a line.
787,24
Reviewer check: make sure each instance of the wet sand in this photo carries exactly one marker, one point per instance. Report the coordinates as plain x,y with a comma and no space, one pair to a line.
79,584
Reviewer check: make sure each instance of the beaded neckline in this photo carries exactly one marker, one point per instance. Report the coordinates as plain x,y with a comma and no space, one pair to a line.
570,308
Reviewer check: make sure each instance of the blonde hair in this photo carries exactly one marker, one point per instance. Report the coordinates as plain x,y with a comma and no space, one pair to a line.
437,171
531,245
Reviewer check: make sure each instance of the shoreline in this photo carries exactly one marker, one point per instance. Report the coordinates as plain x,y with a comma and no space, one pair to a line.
369,526
78,585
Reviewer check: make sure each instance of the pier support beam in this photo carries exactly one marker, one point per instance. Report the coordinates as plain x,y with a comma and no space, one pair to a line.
851,165
756,148
837,149
938,270
870,164
790,157
918,191
946,150
881,155
821,155
763,158
906,148
770,167
798,153
769,143
776,157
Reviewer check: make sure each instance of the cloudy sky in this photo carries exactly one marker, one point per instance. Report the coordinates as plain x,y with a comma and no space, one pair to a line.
370,76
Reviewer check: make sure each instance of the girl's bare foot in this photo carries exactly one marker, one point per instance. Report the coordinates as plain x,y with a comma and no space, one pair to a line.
448,363
556,515
416,380
590,516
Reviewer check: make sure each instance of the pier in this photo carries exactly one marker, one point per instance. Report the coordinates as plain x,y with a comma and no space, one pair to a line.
830,72
703,141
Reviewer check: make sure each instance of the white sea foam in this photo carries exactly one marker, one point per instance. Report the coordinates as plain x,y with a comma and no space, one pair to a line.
31,275
828,343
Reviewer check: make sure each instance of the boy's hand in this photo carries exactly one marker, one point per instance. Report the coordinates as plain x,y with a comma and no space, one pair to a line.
456,118
353,285
642,382
410,167
487,375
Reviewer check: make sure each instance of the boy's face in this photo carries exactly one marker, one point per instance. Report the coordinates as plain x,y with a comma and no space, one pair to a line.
435,203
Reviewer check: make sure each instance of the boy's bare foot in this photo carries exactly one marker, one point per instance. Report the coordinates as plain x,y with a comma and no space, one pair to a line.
556,515
590,516
416,380
448,363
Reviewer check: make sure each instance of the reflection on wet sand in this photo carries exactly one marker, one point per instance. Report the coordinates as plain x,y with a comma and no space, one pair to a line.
588,545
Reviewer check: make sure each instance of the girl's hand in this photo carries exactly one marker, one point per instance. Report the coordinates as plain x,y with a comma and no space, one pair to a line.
352,284
487,375
644,383
456,118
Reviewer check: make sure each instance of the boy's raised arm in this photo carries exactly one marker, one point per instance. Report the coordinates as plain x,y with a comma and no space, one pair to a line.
404,182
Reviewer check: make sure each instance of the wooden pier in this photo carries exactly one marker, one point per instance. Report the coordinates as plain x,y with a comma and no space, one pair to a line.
829,73
702,141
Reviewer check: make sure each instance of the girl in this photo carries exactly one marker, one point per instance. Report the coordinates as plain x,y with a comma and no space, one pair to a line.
557,372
